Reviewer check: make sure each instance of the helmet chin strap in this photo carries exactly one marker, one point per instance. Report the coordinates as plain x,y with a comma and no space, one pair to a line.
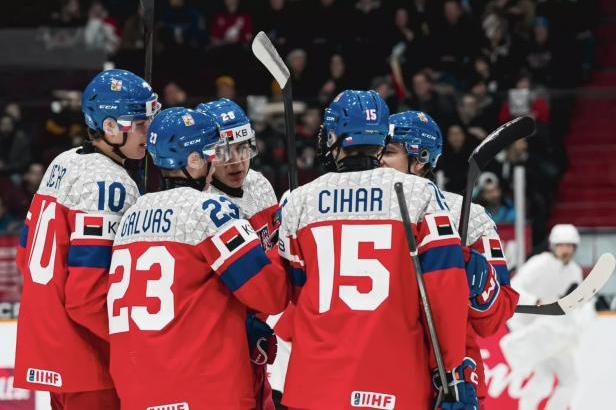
115,148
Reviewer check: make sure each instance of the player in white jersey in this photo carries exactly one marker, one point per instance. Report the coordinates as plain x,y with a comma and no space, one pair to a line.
546,346
177,322
256,199
358,334
65,247
415,146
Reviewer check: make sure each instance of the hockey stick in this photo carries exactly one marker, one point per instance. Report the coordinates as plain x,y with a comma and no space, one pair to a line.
595,280
499,139
410,238
266,53
148,28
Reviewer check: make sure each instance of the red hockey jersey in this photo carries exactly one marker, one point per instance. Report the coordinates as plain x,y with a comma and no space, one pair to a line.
482,236
358,333
64,256
183,272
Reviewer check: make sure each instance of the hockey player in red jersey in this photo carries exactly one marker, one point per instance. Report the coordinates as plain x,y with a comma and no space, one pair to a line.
65,248
358,333
185,268
256,199
416,144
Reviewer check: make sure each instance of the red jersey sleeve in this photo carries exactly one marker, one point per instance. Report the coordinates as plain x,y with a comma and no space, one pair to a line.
442,263
89,257
487,322
236,255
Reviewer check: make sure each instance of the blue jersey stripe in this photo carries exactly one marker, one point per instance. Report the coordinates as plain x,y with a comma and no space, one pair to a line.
244,268
89,256
23,236
441,257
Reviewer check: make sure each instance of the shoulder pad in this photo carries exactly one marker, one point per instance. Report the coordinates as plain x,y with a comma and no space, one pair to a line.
479,222
89,183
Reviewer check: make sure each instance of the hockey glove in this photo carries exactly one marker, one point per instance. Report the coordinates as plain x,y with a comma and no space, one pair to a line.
462,382
482,281
261,341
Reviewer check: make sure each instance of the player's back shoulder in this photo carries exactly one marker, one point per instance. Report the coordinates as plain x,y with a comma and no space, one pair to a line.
258,190
360,195
183,215
89,182
479,223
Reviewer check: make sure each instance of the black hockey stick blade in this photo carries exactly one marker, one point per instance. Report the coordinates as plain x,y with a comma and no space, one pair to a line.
267,54
502,137
422,288
596,279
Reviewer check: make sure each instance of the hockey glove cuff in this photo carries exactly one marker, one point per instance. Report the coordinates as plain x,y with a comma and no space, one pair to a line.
462,382
261,341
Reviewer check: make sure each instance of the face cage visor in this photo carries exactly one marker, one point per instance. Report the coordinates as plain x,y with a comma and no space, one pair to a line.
132,123
236,145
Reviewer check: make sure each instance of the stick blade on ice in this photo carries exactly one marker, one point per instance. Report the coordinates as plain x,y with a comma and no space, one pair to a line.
595,280
266,53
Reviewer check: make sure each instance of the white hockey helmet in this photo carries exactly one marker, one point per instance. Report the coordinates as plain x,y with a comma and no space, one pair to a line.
564,233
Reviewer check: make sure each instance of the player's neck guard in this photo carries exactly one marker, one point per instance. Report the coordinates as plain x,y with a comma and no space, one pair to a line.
232,192
187,181
359,162
88,148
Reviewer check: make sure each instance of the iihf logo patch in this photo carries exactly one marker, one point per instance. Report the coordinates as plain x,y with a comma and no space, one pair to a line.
46,377
116,85
373,400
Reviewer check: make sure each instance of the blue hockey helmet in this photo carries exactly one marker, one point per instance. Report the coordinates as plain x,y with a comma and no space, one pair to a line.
177,132
118,94
234,126
356,118
419,134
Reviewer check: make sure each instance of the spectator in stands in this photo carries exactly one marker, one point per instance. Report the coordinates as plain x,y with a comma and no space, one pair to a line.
454,161
15,153
383,85
482,71
486,102
232,26
498,48
456,40
133,31
472,119
329,33
181,26
337,80
425,98
101,31
69,15
65,128
225,87
523,100
277,22
520,15
173,96
9,225
301,80
539,58
491,197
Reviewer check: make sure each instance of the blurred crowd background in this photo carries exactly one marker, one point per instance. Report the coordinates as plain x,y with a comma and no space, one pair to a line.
471,64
